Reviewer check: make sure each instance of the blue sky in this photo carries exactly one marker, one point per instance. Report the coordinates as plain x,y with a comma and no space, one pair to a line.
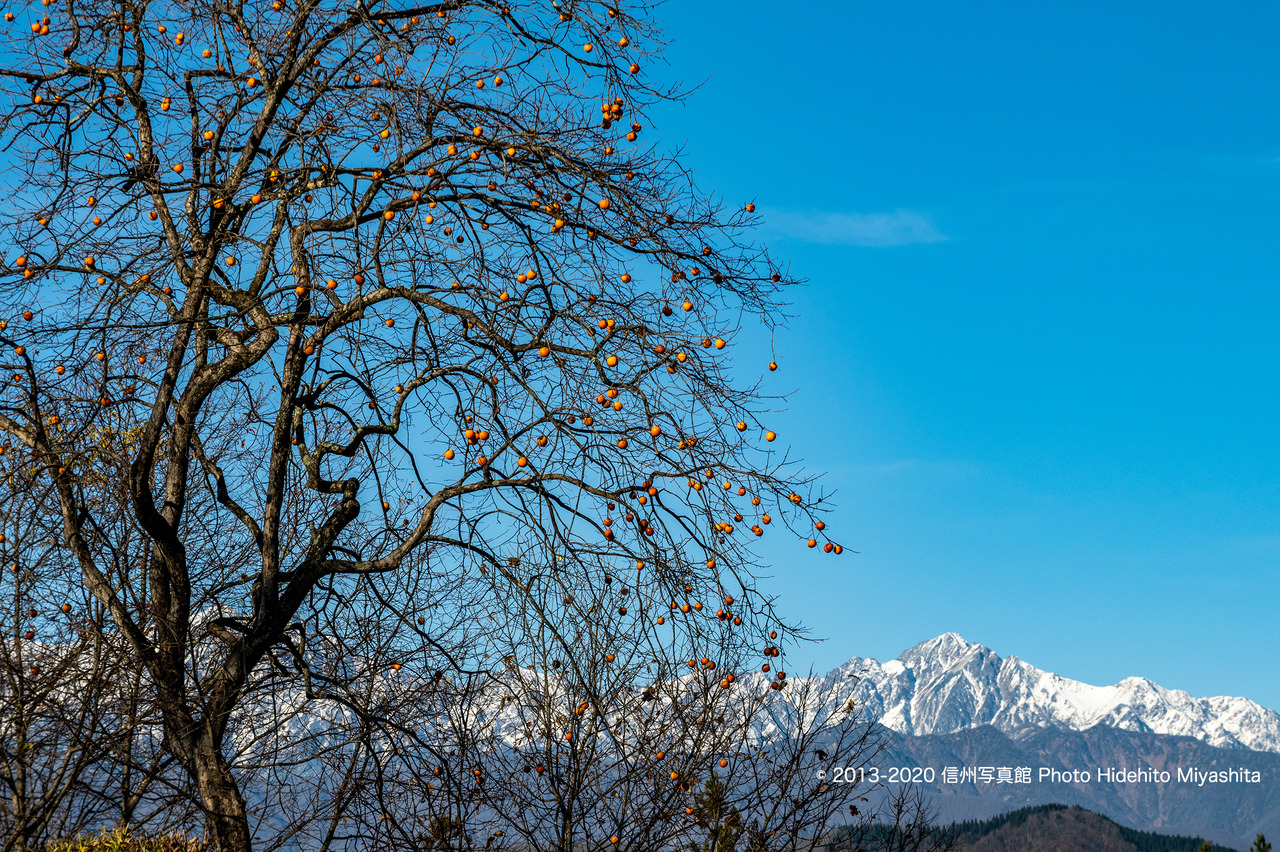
1037,353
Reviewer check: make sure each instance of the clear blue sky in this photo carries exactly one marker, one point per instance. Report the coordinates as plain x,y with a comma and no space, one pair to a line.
1037,353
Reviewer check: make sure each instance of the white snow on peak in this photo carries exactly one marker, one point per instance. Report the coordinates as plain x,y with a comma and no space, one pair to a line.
947,684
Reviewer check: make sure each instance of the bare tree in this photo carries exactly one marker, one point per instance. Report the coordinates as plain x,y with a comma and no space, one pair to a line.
587,737
76,747
398,331
903,820
58,718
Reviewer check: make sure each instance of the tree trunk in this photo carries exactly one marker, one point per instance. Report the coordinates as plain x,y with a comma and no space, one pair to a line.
226,819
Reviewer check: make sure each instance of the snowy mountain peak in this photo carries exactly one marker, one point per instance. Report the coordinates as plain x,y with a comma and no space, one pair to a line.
946,645
945,651
946,655
947,684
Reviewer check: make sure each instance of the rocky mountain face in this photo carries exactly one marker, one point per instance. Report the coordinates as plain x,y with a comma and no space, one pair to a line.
947,685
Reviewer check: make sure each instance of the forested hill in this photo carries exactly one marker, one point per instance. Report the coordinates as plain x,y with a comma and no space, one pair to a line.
1058,828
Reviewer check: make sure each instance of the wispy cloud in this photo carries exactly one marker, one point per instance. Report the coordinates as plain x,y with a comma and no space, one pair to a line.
875,230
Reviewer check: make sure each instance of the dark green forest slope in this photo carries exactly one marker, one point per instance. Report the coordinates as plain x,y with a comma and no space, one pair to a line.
1058,828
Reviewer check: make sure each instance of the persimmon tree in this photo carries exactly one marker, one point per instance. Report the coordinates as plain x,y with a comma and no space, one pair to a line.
333,331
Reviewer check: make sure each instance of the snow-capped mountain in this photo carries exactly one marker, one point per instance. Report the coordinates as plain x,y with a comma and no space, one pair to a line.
946,685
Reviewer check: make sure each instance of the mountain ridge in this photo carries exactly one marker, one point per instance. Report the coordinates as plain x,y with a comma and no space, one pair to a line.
947,684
